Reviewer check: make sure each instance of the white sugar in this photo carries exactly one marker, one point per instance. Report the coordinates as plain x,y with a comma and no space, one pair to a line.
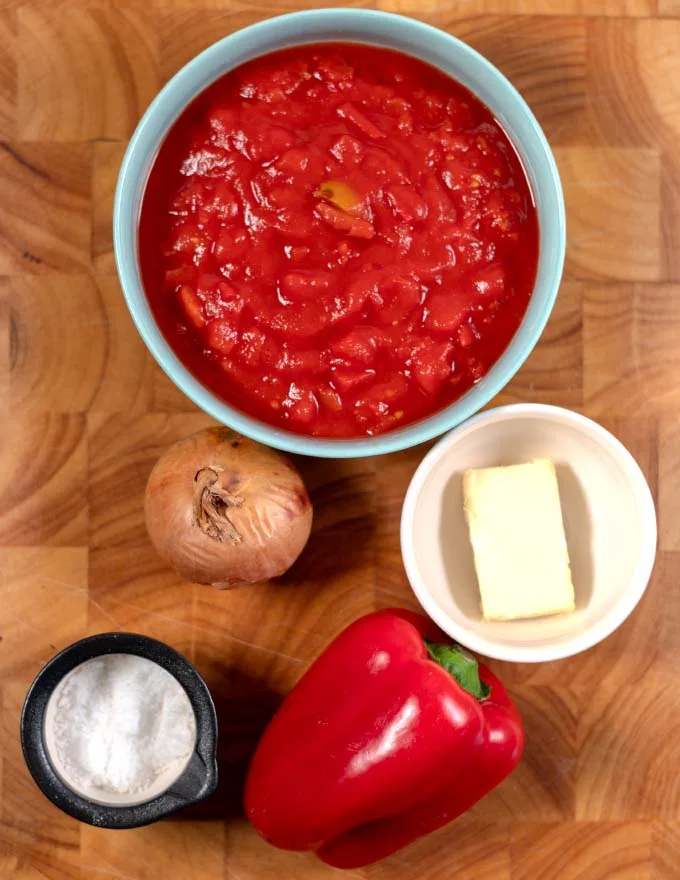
120,721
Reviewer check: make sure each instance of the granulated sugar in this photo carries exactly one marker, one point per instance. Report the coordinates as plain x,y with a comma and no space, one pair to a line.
120,722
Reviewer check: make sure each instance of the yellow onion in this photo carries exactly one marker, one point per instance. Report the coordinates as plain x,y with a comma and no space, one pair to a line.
224,510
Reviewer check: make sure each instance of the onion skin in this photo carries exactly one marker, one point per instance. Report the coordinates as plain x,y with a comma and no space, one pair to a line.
225,510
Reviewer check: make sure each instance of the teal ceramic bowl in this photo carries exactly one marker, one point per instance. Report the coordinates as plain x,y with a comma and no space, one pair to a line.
381,29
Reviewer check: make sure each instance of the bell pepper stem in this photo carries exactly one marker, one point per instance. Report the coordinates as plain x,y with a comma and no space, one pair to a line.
461,665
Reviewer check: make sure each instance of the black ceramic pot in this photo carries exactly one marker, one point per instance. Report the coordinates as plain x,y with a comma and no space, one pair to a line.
197,781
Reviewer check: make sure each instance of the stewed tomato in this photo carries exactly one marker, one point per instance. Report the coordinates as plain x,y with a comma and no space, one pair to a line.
338,239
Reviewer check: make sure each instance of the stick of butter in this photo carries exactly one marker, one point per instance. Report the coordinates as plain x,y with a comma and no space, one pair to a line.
515,522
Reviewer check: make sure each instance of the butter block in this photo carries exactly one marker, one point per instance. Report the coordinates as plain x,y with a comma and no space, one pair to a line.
517,534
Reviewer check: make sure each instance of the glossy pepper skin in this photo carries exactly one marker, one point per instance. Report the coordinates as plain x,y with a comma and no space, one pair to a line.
378,745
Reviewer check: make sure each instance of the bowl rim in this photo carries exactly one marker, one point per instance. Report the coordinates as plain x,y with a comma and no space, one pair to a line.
625,603
144,145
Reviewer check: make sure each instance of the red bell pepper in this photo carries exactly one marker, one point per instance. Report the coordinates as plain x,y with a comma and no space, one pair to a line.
388,736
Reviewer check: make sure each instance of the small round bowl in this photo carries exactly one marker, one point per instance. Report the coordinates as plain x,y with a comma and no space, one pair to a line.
381,29
608,515
194,783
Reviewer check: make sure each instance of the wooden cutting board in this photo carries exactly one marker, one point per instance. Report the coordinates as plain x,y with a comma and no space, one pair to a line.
86,413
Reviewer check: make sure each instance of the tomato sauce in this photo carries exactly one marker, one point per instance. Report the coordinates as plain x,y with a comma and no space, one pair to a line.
338,239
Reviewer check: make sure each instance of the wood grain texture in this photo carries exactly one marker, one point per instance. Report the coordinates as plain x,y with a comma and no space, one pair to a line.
86,412
45,223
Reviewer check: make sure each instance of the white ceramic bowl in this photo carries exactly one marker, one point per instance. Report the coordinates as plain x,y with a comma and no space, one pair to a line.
609,520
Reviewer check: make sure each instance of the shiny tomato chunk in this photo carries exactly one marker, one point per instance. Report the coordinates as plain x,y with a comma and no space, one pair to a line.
431,365
359,346
338,239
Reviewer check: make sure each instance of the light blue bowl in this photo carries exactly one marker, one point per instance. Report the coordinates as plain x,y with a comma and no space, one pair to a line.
382,29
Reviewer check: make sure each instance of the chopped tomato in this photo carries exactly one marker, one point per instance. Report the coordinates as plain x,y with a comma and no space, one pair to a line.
431,366
269,82
406,202
490,281
334,69
380,400
293,224
222,121
348,150
306,320
382,167
397,298
305,284
236,373
467,334
189,239
458,174
359,346
272,392
329,398
338,239
301,403
348,380
225,299
179,275
355,227
446,311
221,336
206,284
440,207
300,163
230,245
256,349
348,111
189,197
309,362
221,203
192,306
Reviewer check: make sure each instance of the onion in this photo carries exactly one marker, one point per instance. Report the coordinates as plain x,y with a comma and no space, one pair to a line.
224,510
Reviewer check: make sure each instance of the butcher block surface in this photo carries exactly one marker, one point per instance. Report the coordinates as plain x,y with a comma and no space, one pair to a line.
86,412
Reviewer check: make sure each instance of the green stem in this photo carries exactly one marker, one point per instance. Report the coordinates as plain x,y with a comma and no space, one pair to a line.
461,665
